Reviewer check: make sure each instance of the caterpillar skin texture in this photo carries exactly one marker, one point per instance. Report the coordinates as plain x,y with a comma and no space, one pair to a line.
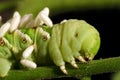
70,40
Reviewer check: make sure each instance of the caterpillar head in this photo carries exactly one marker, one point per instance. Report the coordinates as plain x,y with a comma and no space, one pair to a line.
88,39
84,38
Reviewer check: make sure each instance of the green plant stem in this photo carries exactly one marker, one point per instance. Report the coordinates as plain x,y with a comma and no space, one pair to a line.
86,78
91,68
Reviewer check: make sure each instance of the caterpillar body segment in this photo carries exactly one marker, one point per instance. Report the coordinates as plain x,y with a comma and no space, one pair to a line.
40,40
15,44
18,40
5,66
18,47
6,57
77,40
49,44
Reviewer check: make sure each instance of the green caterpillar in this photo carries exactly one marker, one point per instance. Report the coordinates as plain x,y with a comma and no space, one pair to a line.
23,47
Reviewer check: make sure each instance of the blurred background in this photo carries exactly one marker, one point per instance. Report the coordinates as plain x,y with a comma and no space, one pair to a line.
102,14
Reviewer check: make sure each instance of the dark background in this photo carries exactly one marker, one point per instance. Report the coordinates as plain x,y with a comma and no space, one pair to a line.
106,21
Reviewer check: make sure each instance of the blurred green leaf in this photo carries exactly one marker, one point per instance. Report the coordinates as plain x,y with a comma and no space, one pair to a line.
7,5
60,6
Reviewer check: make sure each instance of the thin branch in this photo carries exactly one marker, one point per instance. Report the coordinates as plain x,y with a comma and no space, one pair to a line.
92,68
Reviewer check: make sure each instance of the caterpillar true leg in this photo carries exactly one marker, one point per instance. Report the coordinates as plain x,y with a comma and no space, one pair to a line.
73,63
67,54
76,46
80,58
62,68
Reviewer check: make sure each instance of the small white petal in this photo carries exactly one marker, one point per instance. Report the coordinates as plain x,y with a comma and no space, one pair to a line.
30,24
27,52
15,21
28,63
45,11
46,20
38,21
42,18
62,68
4,28
25,20
16,14
44,33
